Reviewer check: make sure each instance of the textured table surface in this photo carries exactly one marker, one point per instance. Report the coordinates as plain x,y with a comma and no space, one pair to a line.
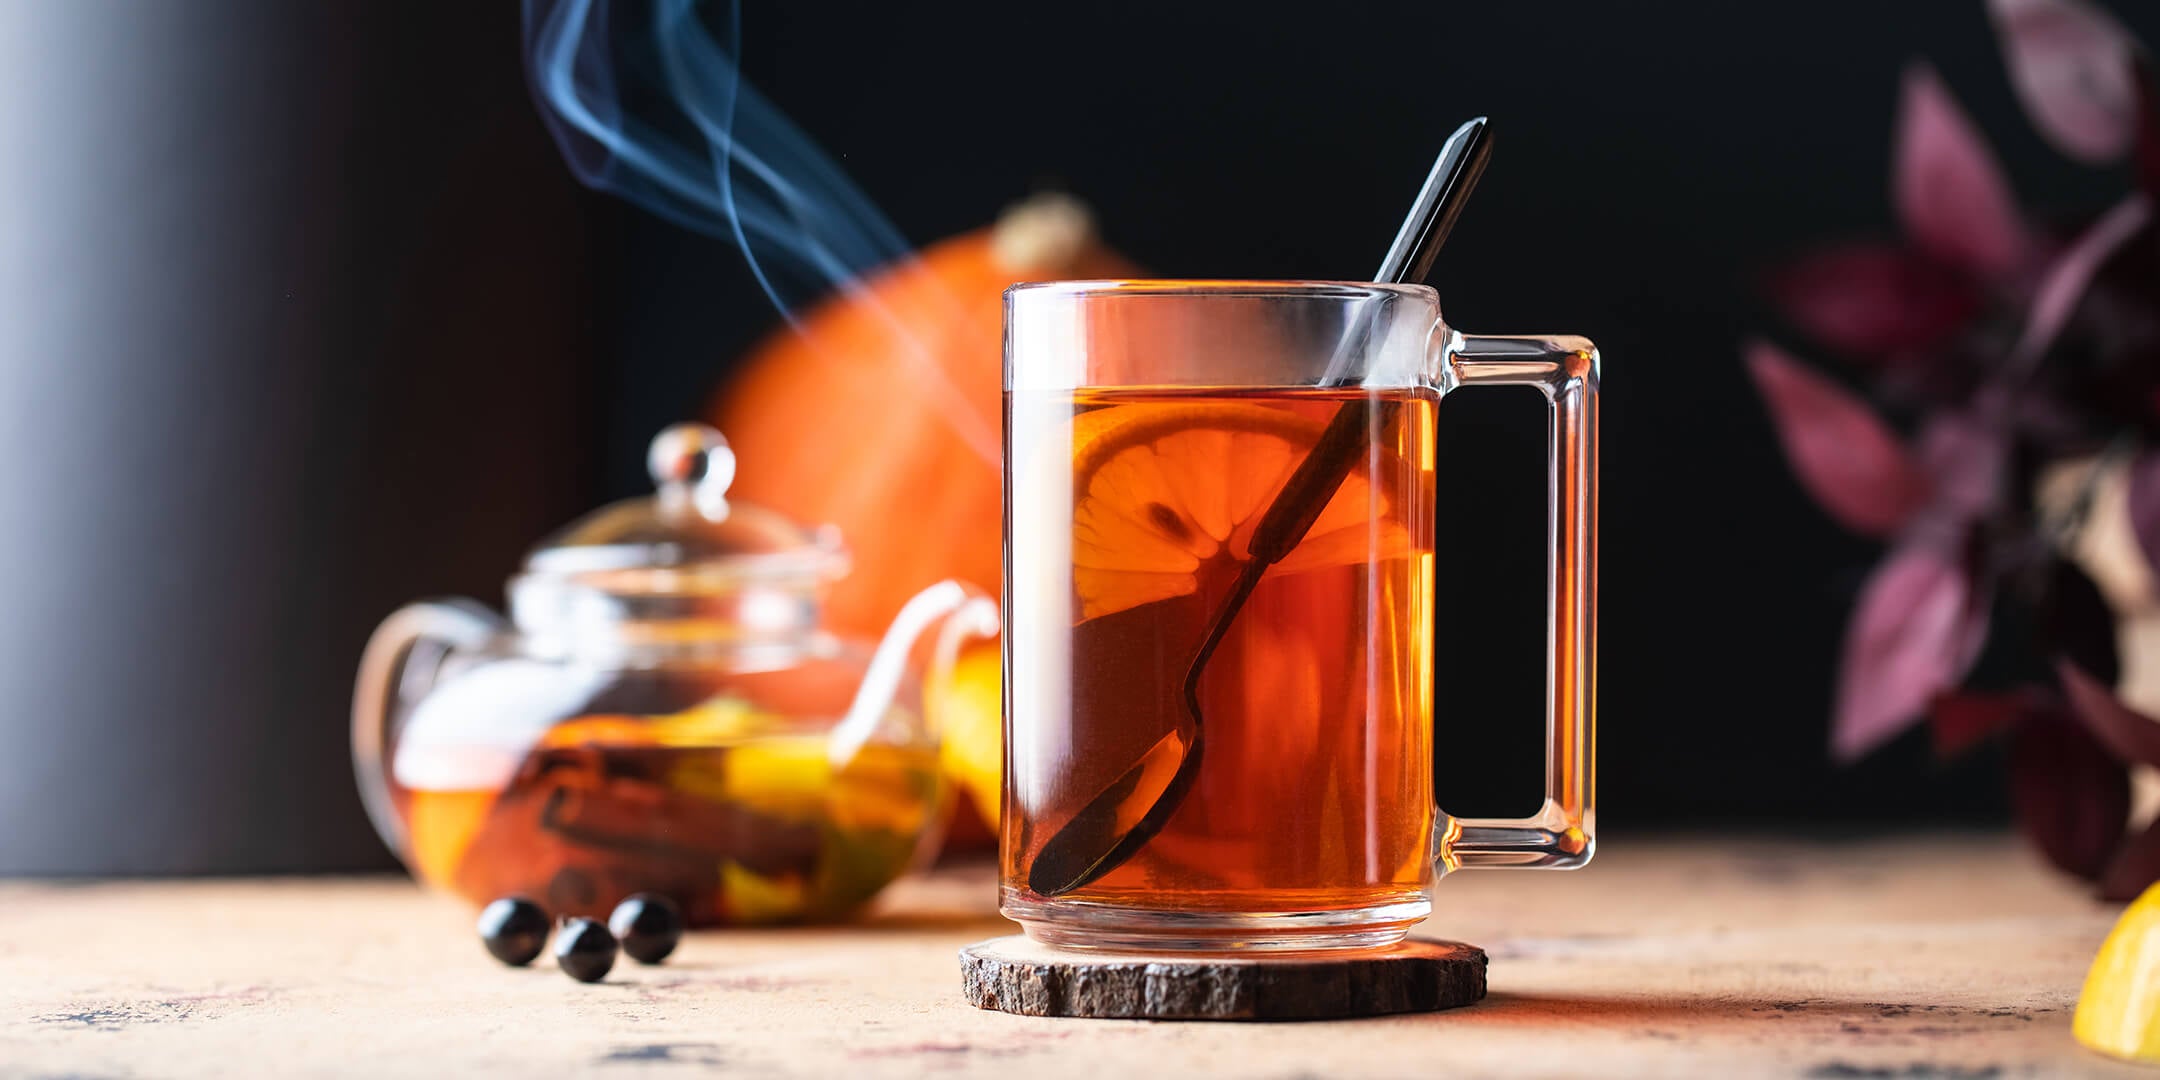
1941,956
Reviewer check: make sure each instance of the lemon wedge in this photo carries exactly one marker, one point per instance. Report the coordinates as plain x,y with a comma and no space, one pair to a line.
968,709
2119,1011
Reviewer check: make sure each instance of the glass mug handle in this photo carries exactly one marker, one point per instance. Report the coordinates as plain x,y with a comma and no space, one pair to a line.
1562,834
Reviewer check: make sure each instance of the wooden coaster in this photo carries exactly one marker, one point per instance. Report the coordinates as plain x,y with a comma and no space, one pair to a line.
1016,975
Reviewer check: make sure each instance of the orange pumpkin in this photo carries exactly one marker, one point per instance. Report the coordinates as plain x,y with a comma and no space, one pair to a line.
881,412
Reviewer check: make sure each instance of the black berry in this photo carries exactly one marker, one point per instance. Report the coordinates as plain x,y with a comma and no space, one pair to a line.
585,950
650,926
514,930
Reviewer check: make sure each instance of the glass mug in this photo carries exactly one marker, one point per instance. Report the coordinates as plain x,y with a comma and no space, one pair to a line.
1220,545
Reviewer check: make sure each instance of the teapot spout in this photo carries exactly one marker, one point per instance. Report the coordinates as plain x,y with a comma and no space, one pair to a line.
924,639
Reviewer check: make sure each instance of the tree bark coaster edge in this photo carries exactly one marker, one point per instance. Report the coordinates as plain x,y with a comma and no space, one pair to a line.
1016,975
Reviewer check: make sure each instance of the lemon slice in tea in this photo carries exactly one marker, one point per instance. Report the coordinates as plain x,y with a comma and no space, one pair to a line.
1161,489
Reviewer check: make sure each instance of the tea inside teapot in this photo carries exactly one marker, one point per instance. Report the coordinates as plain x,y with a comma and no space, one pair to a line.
738,812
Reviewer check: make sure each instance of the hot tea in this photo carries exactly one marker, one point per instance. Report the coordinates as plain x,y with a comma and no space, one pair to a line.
1131,514
720,807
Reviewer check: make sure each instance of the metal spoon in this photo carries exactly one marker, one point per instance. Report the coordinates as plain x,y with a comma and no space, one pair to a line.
1105,833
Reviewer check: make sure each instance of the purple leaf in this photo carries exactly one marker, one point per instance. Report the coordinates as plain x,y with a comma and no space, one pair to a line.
2072,65
1950,192
1960,720
2134,868
2132,735
1963,456
2067,278
1874,300
1844,456
2144,500
1917,627
2071,798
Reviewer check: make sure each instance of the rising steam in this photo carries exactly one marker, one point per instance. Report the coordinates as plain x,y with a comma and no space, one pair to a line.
647,102
701,147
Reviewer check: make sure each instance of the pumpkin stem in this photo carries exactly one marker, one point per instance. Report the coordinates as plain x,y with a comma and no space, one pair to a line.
1043,233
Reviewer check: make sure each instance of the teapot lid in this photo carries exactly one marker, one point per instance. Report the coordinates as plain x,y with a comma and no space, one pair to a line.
688,537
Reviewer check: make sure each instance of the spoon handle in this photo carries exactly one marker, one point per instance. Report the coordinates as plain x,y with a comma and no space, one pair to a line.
1432,216
1309,489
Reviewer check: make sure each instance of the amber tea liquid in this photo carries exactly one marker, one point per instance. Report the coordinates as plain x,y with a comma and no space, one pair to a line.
670,783
1129,516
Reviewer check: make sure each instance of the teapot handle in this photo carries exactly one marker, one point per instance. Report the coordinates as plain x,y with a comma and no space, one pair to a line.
389,683
955,613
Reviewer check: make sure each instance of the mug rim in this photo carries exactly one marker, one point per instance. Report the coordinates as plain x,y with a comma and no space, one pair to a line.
1314,288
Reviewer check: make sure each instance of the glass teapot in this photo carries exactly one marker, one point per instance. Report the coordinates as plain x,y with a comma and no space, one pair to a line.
663,712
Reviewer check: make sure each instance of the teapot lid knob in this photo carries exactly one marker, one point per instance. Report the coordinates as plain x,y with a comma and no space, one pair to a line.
692,461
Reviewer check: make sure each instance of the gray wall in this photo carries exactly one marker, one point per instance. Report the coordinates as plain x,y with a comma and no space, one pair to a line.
292,325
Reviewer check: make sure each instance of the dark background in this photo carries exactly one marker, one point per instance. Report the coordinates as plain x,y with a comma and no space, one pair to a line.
301,317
